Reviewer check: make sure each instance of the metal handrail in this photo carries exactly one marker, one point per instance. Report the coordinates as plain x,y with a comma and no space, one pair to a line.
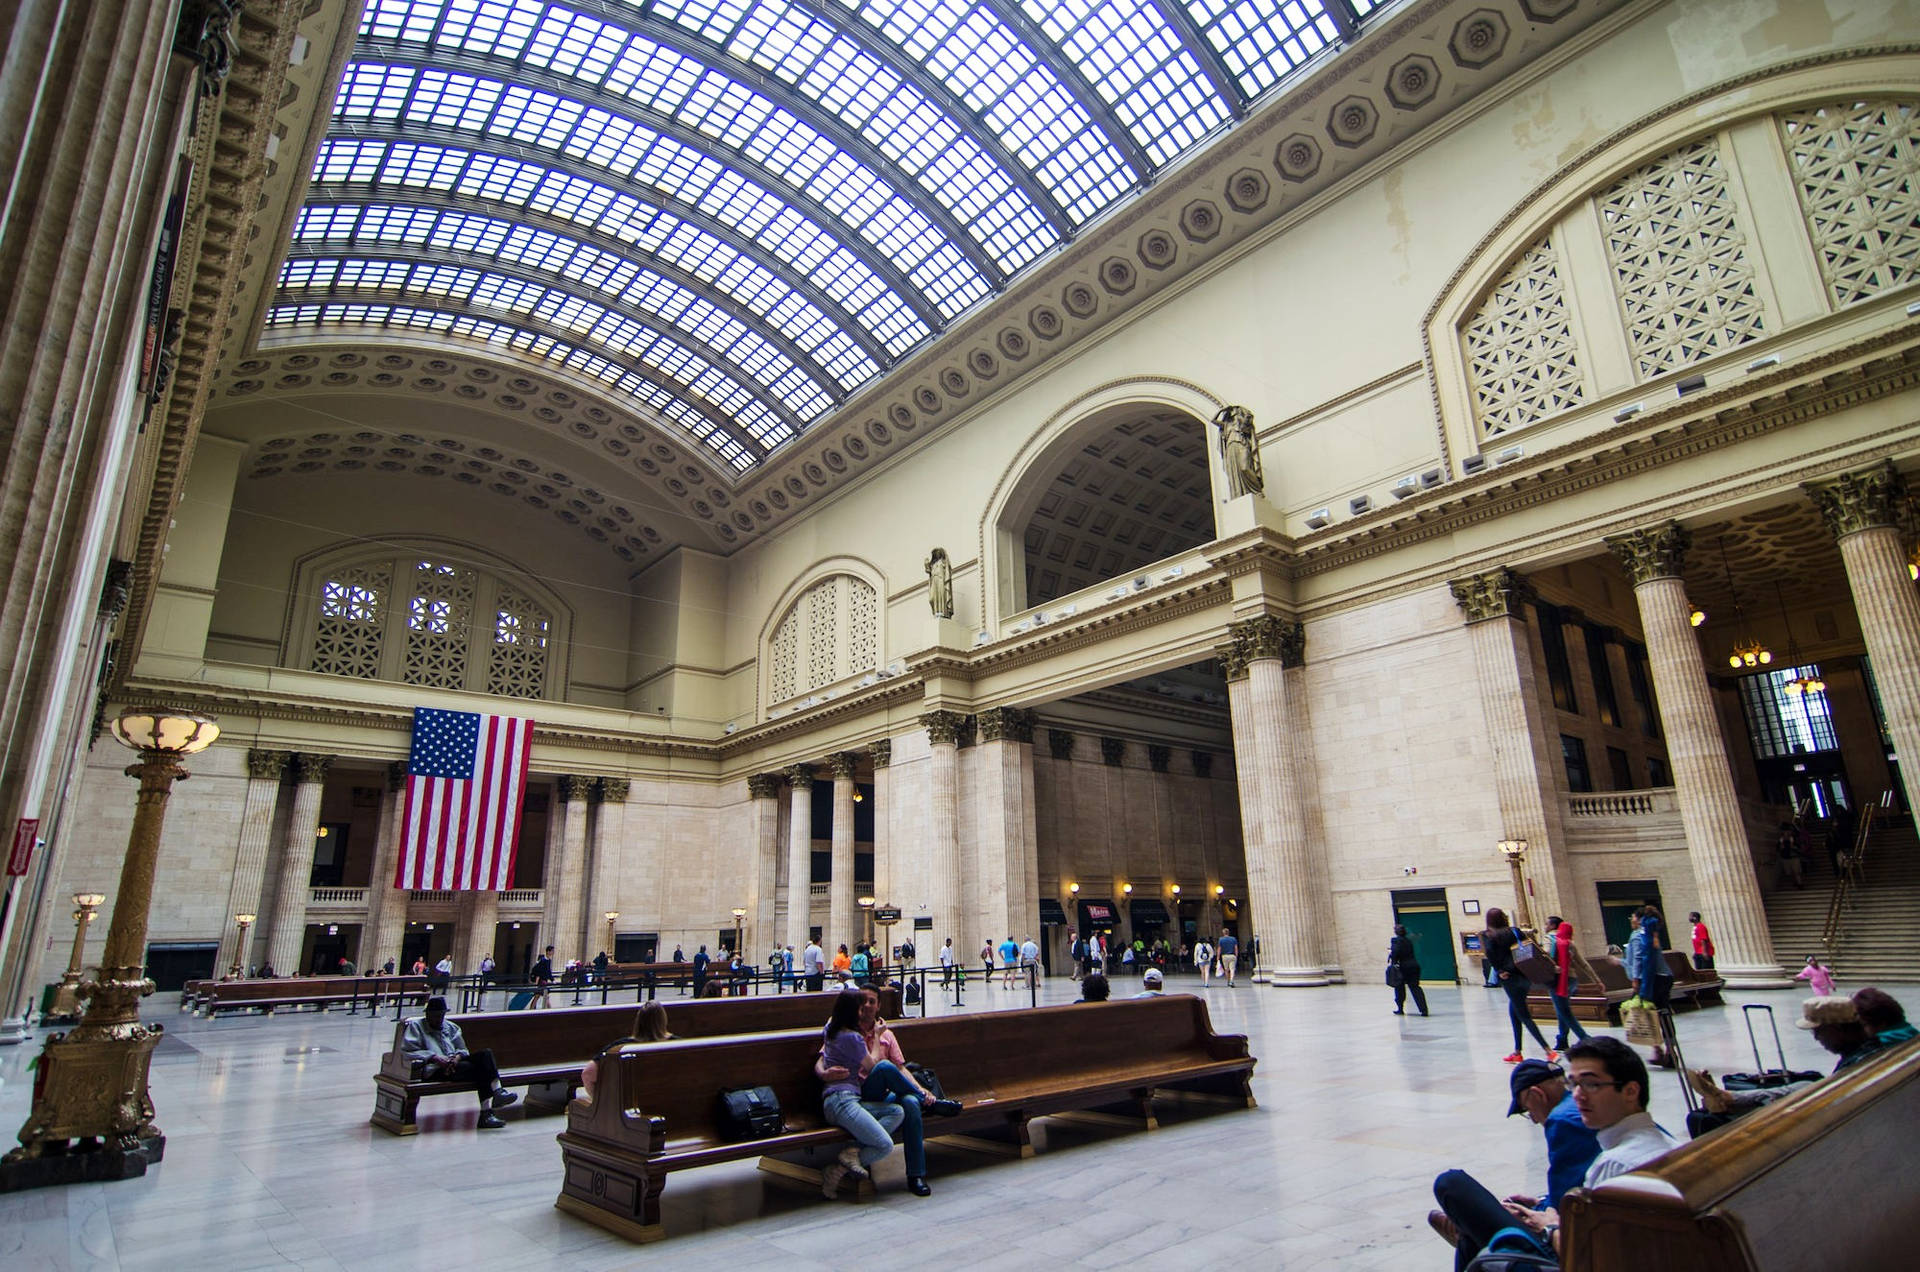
1851,875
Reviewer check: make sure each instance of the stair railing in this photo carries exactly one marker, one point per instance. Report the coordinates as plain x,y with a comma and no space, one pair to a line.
1851,875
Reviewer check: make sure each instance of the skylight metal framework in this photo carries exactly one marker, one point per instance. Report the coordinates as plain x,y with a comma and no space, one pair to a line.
739,212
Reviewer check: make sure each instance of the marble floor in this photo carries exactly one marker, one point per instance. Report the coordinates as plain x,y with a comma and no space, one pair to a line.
270,1161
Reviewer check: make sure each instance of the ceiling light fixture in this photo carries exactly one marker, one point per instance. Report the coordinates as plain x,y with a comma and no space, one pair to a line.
1806,679
1747,650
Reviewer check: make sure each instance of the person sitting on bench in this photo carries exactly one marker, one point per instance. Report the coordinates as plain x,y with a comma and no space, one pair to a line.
1883,1014
434,1045
649,1025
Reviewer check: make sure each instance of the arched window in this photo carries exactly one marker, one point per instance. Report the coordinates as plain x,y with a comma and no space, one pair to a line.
425,618
831,632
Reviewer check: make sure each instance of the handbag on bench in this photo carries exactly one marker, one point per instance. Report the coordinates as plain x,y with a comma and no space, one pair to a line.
749,1113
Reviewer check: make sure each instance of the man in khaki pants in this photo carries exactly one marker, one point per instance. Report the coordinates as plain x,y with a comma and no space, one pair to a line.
1229,956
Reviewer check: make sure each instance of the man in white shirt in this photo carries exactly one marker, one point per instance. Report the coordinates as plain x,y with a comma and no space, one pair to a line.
813,965
946,963
1029,954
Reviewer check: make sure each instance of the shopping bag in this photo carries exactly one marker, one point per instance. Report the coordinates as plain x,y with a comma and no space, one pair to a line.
1643,1024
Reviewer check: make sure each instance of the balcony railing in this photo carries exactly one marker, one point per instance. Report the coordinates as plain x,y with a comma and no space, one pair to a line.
435,894
820,891
521,896
336,896
1623,803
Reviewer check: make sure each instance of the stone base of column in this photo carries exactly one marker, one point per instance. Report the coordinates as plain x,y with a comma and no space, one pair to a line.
1767,977
1260,977
1336,974
14,1031
1298,978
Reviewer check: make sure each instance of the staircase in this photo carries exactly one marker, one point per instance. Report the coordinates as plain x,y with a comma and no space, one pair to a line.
1879,941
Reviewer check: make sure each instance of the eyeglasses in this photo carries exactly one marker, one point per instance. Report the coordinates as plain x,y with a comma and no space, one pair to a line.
1590,1085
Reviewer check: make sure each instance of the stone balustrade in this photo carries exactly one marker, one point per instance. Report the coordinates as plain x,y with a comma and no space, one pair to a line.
522,896
334,898
1648,803
430,895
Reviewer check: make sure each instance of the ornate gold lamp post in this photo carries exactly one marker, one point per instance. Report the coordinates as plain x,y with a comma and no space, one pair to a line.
92,1081
66,999
1515,851
240,948
739,923
866,908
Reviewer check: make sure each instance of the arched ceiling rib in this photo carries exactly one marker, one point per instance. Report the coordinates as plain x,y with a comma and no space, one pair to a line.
741,212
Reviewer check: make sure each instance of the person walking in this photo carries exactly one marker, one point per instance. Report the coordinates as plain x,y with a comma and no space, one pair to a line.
1403,959
1702,943
1818,975
1229,948
947,967
1203,963
1497,942
1653,978
1559,948
1079,955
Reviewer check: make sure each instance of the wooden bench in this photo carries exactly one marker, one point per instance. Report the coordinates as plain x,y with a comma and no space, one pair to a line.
305,991
1820,1179
656,1106
1603,987
546,1050
1698,988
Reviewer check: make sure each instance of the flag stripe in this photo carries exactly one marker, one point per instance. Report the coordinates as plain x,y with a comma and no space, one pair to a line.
465,791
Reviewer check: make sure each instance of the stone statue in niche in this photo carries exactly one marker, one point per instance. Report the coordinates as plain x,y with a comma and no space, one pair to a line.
940,584
1240,452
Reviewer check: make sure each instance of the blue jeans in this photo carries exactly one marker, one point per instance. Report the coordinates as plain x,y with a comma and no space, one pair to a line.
887,1086
1563,1013
870,1123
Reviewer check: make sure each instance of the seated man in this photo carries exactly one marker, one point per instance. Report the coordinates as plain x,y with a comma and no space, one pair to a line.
1095,989
1540,1091
1883,1014
1153,984
434,1045
1837,1026
1609,1081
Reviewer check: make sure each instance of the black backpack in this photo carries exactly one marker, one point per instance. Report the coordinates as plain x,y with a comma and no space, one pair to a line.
749,1113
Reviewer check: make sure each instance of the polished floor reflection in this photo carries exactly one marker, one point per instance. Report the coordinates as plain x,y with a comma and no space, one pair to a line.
270,1161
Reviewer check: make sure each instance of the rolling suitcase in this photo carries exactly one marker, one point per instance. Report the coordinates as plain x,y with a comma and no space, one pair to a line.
1763,1078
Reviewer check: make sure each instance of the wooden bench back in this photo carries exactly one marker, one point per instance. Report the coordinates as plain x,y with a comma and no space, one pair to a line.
1612,973
247,991
1821,1179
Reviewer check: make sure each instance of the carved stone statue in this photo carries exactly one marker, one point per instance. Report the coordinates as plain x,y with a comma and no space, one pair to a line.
1240,452
940,584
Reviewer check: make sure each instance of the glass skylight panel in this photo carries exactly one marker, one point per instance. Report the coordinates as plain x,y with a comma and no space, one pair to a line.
1134,59
1259,41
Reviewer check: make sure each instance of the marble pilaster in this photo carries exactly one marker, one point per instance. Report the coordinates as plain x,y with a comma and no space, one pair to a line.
386,904
843,924
799,857
264,772
945,896
289,931
763,831
1008,867
607,832
1864,512
1709,808
882,753
563,923
1520,734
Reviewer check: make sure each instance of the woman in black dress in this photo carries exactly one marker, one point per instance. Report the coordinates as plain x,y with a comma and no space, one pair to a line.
1402,958
1497,943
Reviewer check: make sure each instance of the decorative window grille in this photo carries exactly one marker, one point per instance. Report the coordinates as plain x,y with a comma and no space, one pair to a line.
1520,350
347,636
1855,166
452,627
1679,257
517,663
832,632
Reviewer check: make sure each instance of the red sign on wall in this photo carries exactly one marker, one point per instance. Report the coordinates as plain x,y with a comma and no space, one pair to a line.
25,836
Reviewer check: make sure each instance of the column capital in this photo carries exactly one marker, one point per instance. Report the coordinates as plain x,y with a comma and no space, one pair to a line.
1203,763
1865,500
881,751
943,727
1158,757
397,776
1010,724
1658,553
763,785
799,776
1060,744
843,765
574,787
266,764
1233,663
1495,594
1113,751
311,767
613,790
1270,636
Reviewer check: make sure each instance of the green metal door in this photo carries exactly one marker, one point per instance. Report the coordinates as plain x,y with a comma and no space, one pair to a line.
1425,917
1619,898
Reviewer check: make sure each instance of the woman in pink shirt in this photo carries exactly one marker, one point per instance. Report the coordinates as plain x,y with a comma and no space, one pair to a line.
1817,975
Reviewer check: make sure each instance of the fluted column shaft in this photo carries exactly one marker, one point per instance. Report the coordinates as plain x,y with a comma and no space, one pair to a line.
842,925
608,833
883,882
1287,914
1703,783
561,925
800,858
478,916
296,865
1304,768
943,892
1007,869
386,904
244,894
763,840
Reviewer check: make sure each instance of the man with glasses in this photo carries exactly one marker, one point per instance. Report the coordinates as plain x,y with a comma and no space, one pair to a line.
1608,1080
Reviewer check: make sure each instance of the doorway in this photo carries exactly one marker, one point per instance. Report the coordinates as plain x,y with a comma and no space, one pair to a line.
1423,912
1619,898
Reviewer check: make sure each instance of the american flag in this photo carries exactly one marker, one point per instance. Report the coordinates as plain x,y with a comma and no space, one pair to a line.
466,779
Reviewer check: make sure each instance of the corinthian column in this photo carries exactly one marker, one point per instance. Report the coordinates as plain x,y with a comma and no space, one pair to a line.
296,865
882,753
1702,781
945,897
386,904
609,832
841,925
763,831
800,858
563,926
1288,910
1863,510
1009,868
1522,738
264,771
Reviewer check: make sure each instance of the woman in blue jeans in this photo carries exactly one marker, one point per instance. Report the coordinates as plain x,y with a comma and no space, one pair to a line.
868,1098
1497,943
1560,950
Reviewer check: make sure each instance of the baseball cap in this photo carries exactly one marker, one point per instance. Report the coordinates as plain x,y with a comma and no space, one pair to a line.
1528,1073
1152,976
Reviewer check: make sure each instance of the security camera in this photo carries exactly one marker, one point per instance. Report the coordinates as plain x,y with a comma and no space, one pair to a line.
1410,870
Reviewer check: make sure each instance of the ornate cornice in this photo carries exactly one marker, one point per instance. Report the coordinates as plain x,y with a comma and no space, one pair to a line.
1501,593
265,765
311,768
1869,499
843,765
882,752
799,776
764,785
1656,553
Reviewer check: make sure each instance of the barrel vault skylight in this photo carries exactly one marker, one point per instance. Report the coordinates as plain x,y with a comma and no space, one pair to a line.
738,212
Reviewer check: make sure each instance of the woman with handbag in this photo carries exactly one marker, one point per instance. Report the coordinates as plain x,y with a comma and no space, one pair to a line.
1652,977
1560,949
1498,942
1403,972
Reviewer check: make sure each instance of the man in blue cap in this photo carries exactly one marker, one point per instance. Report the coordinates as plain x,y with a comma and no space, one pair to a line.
1539,1090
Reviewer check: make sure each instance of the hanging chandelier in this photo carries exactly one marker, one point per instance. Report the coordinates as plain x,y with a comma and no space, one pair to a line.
1747,649
1806,679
